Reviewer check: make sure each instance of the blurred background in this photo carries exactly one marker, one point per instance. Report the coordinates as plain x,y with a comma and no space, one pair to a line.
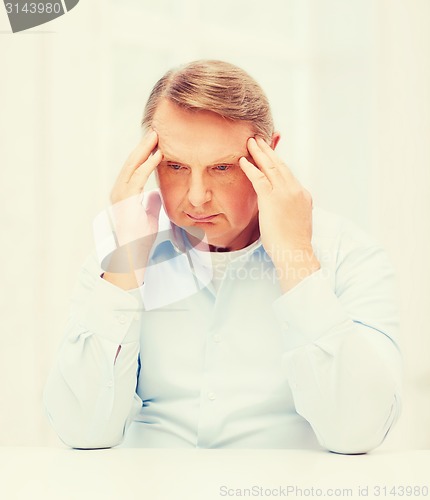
349,84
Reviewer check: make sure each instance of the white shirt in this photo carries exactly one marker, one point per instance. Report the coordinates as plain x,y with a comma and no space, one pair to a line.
244,366
220,261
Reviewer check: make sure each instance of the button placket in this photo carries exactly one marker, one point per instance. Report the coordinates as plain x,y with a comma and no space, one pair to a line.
122,319
211,396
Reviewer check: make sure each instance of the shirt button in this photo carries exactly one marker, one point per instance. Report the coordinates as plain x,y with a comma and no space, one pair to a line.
122,319
211,396
285,325
110,383
217,338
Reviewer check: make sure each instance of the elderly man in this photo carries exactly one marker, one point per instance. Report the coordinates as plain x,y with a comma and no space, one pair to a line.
223,310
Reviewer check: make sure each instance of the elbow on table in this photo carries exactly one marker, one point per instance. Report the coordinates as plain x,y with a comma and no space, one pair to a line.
79,436
353,441
352,447
79,430
359,432
85,442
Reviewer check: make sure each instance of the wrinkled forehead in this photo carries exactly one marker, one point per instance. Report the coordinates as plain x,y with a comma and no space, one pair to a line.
185,135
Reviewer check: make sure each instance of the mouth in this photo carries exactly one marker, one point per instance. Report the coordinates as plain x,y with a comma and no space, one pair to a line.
201,218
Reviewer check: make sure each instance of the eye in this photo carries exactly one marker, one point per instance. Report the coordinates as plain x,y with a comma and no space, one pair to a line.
174,166
222,168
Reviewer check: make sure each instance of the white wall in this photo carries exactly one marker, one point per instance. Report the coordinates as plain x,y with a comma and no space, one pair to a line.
400,190
349,84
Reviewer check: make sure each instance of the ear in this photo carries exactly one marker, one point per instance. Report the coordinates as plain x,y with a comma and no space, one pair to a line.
276,136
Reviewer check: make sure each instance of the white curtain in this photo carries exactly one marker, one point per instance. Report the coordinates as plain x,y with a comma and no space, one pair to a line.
349,83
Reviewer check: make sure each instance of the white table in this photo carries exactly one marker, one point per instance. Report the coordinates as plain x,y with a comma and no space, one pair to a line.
153,474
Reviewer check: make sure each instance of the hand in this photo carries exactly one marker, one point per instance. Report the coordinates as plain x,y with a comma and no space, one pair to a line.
135,225
137,169
285,214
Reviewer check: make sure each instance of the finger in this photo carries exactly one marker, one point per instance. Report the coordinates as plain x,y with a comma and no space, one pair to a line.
266,148
142,173
276,162
136,184
259,181
264,162
138,156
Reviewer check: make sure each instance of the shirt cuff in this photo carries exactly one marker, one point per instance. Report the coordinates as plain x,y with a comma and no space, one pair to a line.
112,313
308,311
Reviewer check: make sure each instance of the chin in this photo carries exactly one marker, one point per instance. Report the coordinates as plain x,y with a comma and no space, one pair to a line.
206,235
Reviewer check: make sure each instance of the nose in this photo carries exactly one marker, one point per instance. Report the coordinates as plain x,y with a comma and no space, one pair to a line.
199,191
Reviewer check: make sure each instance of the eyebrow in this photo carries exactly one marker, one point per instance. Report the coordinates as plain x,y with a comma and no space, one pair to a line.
227,160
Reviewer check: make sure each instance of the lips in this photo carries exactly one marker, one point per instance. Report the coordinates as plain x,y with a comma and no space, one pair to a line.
201,218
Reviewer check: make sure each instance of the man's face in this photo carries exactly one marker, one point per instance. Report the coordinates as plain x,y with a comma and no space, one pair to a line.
201,182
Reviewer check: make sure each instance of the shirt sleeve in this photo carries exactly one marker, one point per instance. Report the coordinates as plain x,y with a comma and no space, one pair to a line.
341,354
90,393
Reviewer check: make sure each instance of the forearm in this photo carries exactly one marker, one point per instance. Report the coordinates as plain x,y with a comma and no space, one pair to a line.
344,373
294,265
89,395
125,268
346,388
125,281
89,399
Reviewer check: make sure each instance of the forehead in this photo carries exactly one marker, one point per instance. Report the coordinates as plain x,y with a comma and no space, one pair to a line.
199,136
